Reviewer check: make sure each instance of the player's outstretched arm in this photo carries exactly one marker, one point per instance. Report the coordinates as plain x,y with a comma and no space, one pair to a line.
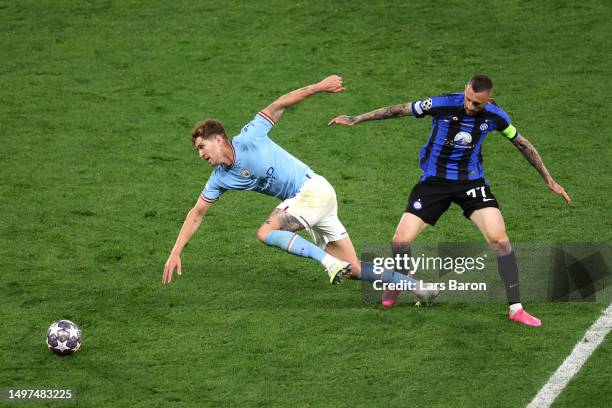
531,155
332,84
404,109
190,226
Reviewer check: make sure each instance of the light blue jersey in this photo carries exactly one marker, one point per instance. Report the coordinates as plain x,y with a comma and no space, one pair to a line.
259,165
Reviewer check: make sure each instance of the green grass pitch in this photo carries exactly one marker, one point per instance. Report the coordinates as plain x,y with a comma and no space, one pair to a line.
97,102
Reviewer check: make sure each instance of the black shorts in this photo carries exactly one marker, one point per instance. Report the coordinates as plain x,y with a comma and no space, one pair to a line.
429,199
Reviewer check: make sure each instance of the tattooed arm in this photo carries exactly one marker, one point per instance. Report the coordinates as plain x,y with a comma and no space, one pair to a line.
394,111
531,155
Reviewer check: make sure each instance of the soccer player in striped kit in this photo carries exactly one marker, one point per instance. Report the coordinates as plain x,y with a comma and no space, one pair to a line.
451,161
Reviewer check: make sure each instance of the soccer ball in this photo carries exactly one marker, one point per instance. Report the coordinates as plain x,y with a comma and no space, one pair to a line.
63,337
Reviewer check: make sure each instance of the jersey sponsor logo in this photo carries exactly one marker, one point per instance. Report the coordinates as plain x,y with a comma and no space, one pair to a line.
484,127
246,127
463,138
426,104
417,204
265,183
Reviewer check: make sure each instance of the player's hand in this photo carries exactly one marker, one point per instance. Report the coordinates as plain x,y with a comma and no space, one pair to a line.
173,262
343,120
553,186
332,83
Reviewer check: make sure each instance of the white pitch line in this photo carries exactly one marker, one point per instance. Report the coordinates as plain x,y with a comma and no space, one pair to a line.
593,337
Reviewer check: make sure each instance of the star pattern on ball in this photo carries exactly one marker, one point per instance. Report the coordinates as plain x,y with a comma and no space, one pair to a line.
73,332
63,337
61,346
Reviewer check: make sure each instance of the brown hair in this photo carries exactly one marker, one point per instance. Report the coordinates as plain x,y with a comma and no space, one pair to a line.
481,83
207,129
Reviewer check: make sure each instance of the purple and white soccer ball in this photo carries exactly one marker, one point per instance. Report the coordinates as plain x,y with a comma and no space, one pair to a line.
64,337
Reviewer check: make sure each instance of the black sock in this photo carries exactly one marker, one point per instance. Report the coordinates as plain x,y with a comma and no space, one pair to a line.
508,271
403,250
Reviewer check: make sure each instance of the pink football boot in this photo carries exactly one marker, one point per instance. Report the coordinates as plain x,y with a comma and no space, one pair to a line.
389,298
521,316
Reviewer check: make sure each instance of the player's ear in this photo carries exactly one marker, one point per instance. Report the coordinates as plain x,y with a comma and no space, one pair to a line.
490,100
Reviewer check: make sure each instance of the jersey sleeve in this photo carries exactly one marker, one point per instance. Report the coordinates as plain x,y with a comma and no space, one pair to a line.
213,188
431,106
258,128
503,124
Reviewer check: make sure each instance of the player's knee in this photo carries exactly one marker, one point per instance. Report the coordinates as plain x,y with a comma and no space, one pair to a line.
262,234
500,242
402,240
500,238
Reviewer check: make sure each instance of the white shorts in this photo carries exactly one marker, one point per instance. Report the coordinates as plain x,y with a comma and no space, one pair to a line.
316,208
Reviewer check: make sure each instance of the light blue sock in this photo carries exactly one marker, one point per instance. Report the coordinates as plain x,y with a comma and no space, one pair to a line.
367,272
294,244
391,276
387,275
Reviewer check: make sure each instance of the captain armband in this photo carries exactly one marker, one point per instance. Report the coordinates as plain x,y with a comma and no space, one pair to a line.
510,132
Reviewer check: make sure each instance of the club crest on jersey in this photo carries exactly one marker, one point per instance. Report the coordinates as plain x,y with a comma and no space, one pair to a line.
426,104
484,127
463,138
245,173
417,204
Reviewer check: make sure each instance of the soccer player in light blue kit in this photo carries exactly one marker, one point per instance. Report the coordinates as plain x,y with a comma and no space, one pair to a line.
252,161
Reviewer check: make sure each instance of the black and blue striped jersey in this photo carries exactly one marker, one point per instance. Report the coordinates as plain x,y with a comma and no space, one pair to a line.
453,149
